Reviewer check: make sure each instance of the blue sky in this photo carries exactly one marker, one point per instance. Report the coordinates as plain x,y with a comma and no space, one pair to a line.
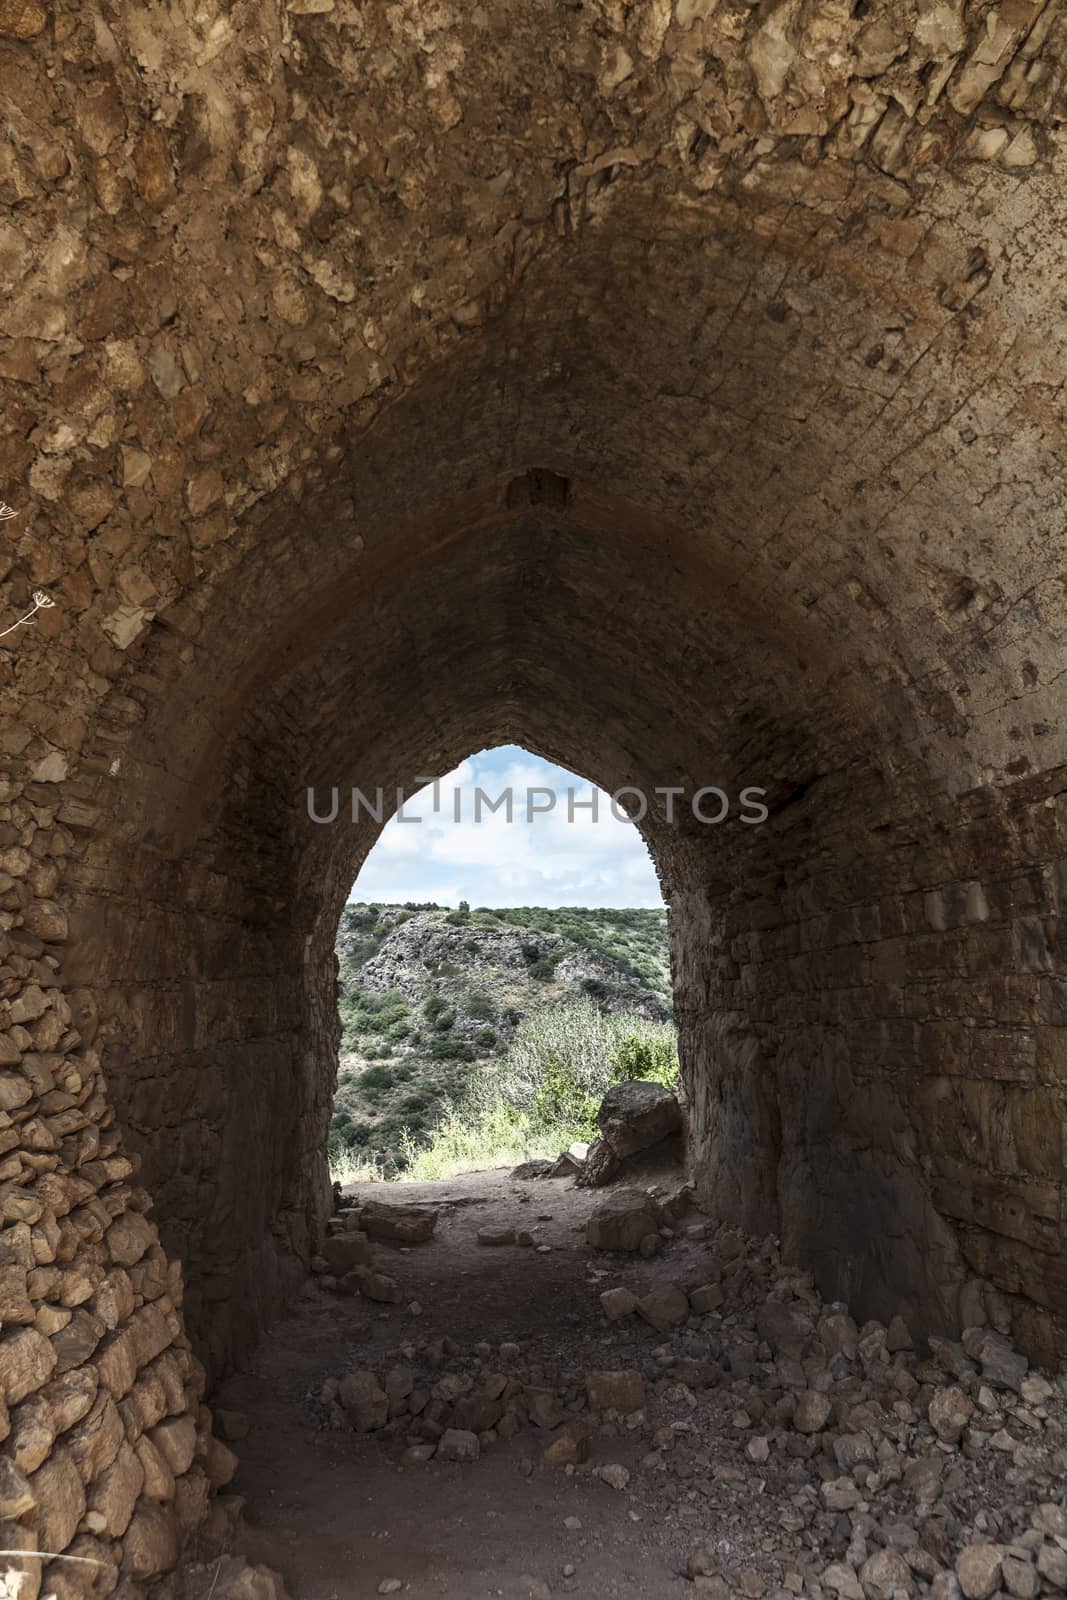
543,860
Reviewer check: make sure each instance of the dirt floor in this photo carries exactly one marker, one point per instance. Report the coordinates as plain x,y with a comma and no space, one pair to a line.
799,1454
337,1513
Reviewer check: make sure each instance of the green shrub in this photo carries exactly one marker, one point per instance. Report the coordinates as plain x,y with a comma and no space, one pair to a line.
561,1102
376,1078
450,1050
649,1057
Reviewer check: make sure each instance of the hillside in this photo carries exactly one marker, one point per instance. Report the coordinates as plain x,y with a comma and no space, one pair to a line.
429,997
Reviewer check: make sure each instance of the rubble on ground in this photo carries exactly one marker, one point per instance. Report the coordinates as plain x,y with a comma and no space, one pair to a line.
802,1453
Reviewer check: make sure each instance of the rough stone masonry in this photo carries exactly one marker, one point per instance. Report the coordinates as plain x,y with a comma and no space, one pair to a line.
674,388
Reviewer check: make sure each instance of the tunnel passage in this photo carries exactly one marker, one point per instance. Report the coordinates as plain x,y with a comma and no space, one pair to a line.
676,393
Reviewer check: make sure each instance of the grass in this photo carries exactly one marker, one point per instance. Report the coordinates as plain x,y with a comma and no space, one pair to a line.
348,1166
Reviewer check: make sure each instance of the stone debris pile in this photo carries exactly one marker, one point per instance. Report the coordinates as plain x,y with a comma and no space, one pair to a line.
826,1458
789,1450
346,1265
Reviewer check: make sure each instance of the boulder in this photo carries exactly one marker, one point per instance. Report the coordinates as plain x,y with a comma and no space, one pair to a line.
403,1224
812,1412
364,1400
566,1166
706,1297
343,1251
978,1568
531,1169
786,1328
664,1308
600,1166
949,1411
618,1303
458,1444
637,1114
622,1221
885,1575
374,1286
569,1448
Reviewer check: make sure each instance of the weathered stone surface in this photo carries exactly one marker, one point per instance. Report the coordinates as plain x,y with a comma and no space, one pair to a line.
391,1220
615,1391
978,1568
637,1114
150,1545
59,1492
364,1400
496,1236
885,1574
950,1411
114,1493
129,1237
175,1440
16,1496
601,1166
621,1221
706,1297
670,249
528,1170
457,1444
27,1360
618,1303
812,1412
343,1251
664,1308
569,1447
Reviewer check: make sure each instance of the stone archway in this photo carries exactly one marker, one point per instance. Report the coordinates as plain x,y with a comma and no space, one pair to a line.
677,394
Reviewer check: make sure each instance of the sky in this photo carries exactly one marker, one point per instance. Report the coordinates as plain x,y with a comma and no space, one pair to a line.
535,860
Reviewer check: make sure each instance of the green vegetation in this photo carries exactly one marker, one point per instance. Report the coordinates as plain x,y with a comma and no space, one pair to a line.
470,1035
546,1092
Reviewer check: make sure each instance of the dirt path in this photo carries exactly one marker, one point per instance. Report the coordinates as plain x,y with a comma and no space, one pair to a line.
337,1513
780,1448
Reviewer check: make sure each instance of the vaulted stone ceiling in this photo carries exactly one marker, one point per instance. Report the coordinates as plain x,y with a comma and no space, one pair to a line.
677,389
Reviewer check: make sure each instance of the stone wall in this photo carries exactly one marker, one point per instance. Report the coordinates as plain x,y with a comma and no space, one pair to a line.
674,389
878,1073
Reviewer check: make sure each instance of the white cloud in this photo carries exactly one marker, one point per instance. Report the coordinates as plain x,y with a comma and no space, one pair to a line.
556,858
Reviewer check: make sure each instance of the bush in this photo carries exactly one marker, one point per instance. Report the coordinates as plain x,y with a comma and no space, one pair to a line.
560,1102
546,1092
450,1050
648,1057
543,969
376,1078
580,1041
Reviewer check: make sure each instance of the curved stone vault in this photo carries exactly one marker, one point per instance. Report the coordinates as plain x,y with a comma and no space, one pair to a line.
675,389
